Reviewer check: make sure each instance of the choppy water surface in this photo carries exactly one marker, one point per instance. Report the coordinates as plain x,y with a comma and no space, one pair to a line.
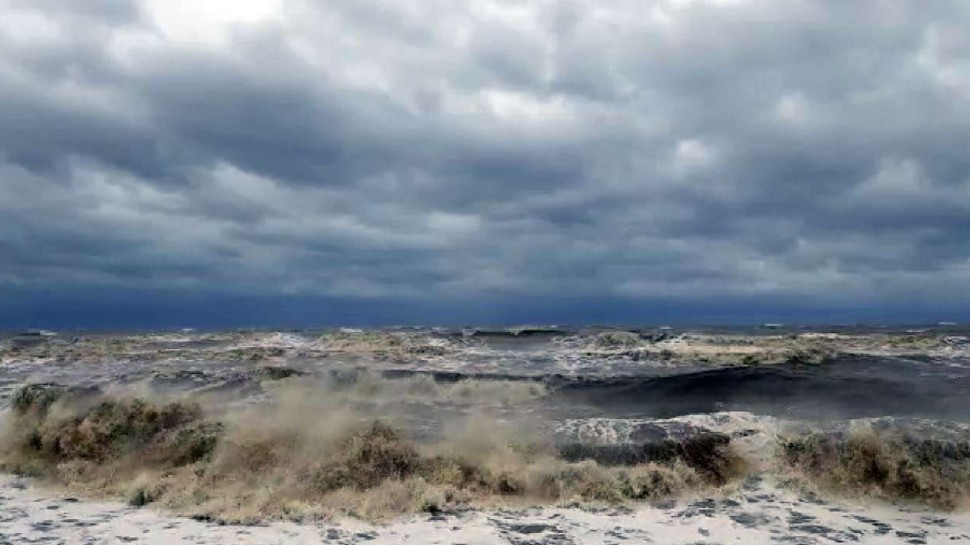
929,377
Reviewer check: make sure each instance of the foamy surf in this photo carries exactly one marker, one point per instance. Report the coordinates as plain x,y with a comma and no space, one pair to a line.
758,512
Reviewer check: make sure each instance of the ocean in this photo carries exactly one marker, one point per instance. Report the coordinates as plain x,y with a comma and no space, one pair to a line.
509,435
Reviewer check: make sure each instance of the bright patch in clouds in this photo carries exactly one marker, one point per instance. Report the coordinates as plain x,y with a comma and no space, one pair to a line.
208,21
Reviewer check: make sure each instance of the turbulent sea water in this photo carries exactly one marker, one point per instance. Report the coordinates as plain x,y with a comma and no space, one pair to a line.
475,435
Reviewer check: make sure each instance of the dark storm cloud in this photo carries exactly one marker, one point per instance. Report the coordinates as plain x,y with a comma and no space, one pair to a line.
680,149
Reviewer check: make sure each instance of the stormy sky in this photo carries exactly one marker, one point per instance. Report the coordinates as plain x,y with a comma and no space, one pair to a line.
210,162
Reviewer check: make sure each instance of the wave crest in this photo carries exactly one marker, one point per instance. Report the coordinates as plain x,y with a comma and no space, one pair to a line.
886,464
283,461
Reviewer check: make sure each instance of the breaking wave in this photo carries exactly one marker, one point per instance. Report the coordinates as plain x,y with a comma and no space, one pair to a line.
887,464
305,456
255,426
314,452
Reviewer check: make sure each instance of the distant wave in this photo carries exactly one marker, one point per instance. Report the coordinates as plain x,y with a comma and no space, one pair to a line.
783,390
779,390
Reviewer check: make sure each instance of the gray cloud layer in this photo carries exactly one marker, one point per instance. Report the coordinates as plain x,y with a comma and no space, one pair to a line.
614,148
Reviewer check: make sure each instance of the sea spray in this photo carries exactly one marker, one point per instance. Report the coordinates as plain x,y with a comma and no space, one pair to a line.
888,464
308,454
